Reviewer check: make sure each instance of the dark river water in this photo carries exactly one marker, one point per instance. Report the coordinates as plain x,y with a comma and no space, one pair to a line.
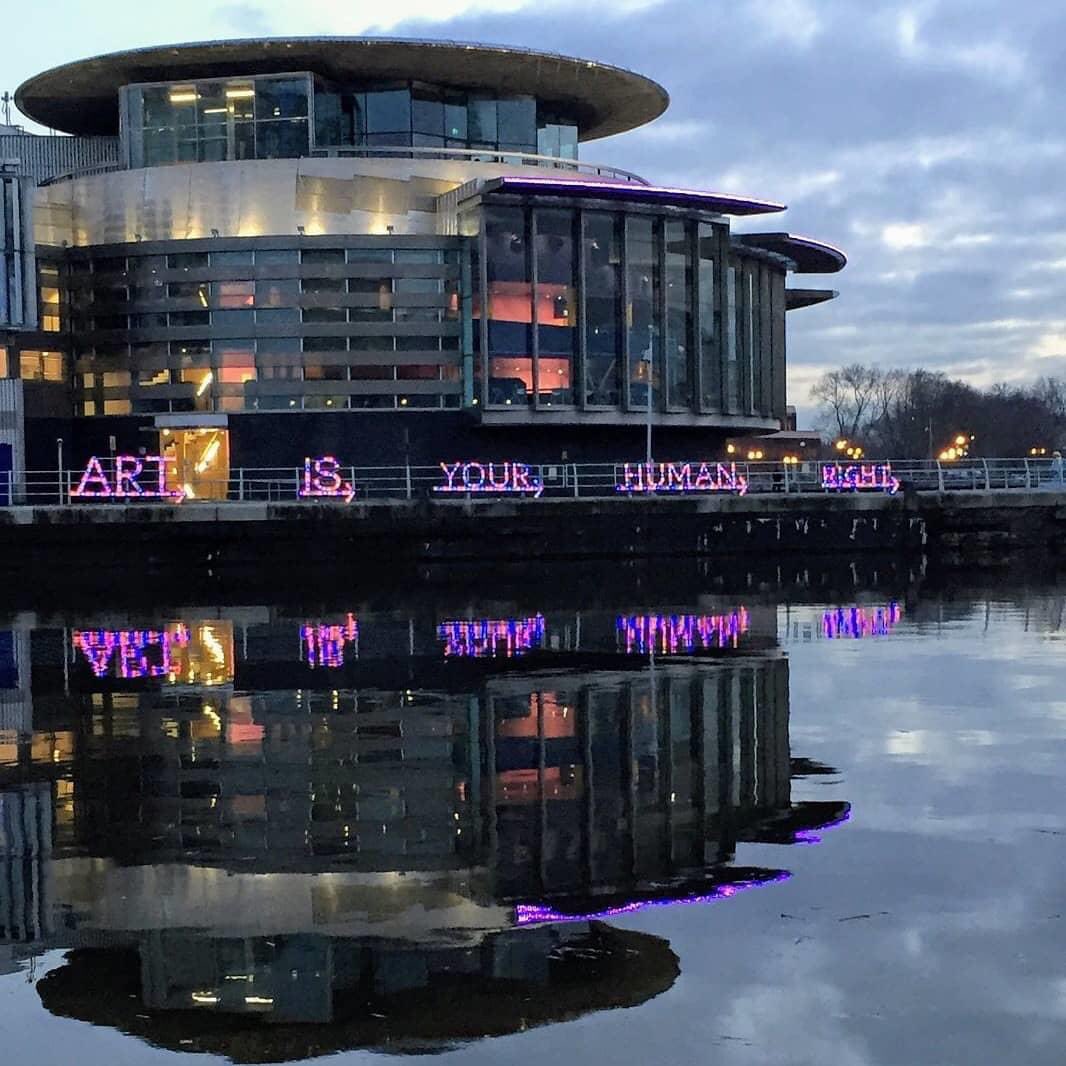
609,820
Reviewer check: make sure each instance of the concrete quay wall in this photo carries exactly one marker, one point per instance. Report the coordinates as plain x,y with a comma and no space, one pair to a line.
970,526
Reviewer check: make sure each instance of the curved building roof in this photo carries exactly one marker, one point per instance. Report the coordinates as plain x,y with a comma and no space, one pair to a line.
82,97
809,255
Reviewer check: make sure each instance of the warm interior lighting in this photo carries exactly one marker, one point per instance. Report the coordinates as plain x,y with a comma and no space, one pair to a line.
183,97
730,448
239,94
210,452
205,383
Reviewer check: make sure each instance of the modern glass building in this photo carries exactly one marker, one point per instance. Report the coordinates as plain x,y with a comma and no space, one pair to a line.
380,249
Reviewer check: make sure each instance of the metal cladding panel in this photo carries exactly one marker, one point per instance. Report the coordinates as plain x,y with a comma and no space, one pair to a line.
12,426
47,157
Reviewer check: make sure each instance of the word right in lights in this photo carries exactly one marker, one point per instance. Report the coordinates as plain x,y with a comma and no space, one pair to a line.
852,477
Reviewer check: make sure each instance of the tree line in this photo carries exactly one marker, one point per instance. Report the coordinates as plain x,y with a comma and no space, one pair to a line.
917,414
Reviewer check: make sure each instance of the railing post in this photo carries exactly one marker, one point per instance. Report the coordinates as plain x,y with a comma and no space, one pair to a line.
785,466
407,476
573,467
240,484
939,476
1028,481
988,479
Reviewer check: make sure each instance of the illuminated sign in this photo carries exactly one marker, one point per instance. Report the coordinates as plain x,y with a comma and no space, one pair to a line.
504,479
324,644
854,477
488,638
133,477
681,477
860,622
322,480
131,654
678,634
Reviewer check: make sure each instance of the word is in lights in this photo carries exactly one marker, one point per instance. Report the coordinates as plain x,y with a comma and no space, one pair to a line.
133,653
505,479
125,482
322,480
324,644
676,634
488,637
854,477
681,477
858,622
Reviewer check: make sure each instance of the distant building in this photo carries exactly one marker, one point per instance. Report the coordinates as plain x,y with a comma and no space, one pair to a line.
377,249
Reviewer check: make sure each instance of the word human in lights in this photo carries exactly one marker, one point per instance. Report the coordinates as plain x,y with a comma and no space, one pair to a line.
681,477
324,644
676,634
132,653
858,622
505,479
322,479
486,638
125,481
853,478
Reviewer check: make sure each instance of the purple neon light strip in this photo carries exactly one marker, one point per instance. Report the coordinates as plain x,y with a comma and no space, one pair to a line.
529,913
724,203
813,836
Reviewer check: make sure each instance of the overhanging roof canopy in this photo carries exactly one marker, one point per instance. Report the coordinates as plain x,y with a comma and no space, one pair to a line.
82,97
796,298
717,202
809,255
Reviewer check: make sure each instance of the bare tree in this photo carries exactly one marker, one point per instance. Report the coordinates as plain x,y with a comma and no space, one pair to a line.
848,398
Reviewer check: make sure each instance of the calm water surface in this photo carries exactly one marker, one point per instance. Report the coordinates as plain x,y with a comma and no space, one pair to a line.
761,828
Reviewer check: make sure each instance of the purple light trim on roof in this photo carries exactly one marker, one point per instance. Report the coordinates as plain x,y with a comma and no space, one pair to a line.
813,836
723,203
528,913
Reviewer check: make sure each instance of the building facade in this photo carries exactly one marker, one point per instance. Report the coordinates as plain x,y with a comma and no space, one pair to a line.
384,250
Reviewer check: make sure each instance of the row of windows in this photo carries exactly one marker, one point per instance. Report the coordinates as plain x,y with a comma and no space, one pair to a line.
261,257
266,317
270,117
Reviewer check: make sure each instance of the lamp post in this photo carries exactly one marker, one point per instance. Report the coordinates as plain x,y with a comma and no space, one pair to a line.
59,466
649,363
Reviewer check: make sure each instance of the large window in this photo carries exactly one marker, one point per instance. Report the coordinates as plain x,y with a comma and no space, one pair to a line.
677,342
603,308
220,119
556,306
710,319
643,277
510,306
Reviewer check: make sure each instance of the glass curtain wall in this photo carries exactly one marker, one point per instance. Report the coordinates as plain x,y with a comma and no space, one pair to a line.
643,284
710,320
602,239
678,347
556,306
218,119
644,292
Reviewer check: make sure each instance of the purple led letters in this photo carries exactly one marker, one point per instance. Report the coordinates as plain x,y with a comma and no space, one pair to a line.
853,477
681,477
860,622
125,482
504,479
680,634
322,479
141,652
488,637
324,645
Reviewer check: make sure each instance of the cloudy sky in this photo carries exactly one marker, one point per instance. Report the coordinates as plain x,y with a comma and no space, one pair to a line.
926,138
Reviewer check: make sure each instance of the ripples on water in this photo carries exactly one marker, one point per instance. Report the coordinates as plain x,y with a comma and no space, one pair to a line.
275,833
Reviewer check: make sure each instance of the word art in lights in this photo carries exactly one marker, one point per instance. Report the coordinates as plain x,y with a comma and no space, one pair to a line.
134,477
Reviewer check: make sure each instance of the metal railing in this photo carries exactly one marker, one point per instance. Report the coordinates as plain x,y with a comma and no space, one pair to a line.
465,155
325,480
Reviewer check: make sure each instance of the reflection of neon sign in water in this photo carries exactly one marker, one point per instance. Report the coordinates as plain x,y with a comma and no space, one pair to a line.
132,653
324,645
504,479
487,638
812,836
529,913
322,479
681,633
852,478
679,477
125,482
859,622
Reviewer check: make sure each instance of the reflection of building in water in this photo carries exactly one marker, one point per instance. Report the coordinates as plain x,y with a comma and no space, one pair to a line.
802,624
25,850
381,826
16,704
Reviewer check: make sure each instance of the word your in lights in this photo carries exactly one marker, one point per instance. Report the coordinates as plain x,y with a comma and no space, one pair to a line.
125,482
141,653
679,477
858,622
855,477
324,645
677,634
488,638
322,479
508,479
